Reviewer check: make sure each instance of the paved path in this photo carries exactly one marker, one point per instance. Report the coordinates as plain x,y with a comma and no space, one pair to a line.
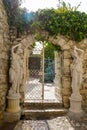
59,123
70,121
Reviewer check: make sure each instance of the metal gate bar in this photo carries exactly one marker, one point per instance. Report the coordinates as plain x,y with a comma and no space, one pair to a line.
35,85
43,75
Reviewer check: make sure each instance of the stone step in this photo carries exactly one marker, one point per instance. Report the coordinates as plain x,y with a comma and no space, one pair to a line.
39,105
43,113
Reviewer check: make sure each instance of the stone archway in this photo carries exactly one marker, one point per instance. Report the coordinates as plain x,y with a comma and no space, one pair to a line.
66,47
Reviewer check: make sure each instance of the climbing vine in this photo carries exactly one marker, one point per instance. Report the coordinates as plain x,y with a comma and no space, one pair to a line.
72,24
49,49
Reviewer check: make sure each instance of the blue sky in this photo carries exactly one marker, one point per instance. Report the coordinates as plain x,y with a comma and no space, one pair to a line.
33,5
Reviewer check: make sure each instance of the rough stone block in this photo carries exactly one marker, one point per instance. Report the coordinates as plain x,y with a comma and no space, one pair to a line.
66,91
66,101
1,115
1,40
1,14
11,117
66,82
66,71
67,54
67,62
66,47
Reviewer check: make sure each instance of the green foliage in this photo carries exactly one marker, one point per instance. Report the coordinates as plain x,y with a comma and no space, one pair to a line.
16,15
49,50
12,8
64,7
65,20
49,70
72,24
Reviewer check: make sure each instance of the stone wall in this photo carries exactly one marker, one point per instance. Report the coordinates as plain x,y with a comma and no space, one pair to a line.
83,91
4,50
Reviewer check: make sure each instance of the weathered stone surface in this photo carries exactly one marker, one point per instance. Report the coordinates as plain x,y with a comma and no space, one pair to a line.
71,43
61,42
65,47
85,56
66,91
66,101
66,71
66,79
1,15
67,54
11,117
66,82
67,62
84,86
4,29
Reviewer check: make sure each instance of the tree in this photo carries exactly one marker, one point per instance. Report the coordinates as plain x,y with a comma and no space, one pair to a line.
63,7
72,24
16,15
49,71
12,7
64,20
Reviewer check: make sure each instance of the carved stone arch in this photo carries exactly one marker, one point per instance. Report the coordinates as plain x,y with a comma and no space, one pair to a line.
66,47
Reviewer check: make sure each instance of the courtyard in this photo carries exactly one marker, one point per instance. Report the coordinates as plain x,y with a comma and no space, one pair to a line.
58,123
56,97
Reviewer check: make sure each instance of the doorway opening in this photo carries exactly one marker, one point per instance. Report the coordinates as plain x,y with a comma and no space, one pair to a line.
45,70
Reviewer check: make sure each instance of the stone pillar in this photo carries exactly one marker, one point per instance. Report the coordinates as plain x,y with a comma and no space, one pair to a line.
13,103
66,80
75,104
27,62
13,111
57,80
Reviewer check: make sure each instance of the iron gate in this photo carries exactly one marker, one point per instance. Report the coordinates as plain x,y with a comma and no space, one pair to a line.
35,84
37,87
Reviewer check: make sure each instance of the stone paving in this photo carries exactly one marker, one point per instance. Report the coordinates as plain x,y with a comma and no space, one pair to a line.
55,123
58,123
68,122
